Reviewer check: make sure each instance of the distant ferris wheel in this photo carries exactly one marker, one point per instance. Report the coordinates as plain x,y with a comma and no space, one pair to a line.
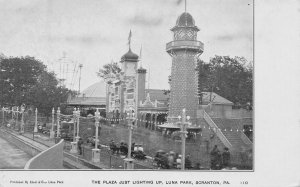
68,72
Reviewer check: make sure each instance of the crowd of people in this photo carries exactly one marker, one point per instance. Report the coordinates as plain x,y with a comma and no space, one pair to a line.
219,160
171,160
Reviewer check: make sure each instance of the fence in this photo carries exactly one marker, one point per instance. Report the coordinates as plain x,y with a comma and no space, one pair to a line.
152,142
51,158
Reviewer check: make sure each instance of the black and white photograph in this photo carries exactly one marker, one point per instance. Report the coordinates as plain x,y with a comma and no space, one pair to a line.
141,90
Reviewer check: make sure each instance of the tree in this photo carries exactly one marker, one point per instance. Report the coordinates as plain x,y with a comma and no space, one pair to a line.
18,76
46,94
27,81
108,71
229,77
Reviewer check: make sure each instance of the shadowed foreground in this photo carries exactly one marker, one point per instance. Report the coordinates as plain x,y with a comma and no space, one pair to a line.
12,157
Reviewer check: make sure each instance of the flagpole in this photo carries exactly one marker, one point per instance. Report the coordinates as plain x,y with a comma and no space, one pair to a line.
129,39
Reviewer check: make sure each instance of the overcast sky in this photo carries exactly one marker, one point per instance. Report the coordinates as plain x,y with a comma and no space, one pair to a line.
93,32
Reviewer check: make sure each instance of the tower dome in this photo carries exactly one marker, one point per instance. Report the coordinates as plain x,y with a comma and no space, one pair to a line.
185,20
129,56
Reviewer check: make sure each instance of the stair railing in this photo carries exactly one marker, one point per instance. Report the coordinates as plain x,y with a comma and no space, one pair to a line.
216,130
243,136
245,139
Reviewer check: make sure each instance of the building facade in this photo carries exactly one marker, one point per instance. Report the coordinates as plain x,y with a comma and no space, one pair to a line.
127,92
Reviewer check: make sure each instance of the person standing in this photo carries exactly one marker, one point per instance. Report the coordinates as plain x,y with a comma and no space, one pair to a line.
171,159
214,157
178,162
80,142
226,158
188,162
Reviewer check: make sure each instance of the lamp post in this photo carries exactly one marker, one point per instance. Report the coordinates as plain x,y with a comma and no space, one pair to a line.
2,115
96,151
12,113
74,143
183,135
74,124
52,125
22,119
35,124
58,122
2,82
77,120
129,160
17,120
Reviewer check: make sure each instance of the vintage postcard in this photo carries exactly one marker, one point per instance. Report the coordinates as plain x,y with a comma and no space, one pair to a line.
148,93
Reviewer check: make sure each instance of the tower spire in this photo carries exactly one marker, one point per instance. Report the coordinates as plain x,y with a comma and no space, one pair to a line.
185,6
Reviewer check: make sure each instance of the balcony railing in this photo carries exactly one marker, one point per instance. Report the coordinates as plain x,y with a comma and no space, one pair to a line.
181,44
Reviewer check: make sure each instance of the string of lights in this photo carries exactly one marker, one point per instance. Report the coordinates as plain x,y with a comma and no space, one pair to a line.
158,124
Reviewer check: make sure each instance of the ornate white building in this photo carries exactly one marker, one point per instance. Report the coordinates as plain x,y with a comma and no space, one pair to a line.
126,91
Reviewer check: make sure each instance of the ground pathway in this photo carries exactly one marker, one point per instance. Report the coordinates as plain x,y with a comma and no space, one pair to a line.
12,157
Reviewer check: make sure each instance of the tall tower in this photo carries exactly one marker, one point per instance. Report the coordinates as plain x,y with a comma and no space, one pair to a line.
184,49
141,84
129,71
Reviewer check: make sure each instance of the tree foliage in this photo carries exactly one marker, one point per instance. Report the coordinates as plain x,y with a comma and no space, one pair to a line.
109,70
25,80
229,77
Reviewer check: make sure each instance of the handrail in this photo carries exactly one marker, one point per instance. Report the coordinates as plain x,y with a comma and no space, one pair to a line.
35,162
218,132
245,139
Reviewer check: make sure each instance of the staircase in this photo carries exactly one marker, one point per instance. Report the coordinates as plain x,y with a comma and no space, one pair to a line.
229,131
229,128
